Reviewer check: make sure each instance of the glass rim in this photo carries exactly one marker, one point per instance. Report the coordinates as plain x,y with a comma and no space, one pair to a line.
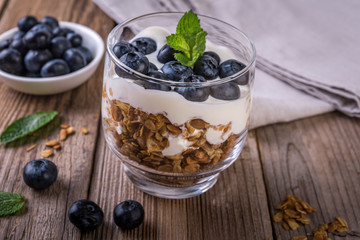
142,76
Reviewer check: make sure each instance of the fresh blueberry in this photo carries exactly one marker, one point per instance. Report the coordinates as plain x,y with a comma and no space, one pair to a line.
123,47
86,52
195,94
40,173
123,74
35,59
166,54
136,61
18,35
75,39
206,66
175,70
58,31
11,61
85,215
230,67
5,44
225,91
129,214
55,67
145,45
32,75
38,37
74,58
152,67
59,45
214,55
50,21
156,86
26,23
19,45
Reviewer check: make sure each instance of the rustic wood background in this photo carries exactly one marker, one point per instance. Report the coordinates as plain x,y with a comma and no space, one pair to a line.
316,159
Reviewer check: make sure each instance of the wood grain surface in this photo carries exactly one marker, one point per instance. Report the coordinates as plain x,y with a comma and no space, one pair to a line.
316,159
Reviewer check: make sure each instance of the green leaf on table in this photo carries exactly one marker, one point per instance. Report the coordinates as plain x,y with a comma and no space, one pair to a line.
10,203
25,125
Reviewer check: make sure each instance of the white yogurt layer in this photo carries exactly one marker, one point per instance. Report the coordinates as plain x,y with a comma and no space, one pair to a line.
175,107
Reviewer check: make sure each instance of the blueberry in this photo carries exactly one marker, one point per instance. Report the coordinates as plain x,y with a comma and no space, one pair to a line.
152,67
145,45
32,75
136,61
166,54
55,67
59,45
85,215
35,59
61,32
214,55
156,86
37,37
195,94
206,66
19,45
74,58
230,67
50,21
40,173
123,47
18,35
11,61
75,39
175,70
86,52
26,23
5,44
129,214
225,91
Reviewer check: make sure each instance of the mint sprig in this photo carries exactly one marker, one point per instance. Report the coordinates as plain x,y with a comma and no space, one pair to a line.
189,39
10,203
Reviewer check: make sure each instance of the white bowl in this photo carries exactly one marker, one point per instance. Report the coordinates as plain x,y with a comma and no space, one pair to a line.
58,84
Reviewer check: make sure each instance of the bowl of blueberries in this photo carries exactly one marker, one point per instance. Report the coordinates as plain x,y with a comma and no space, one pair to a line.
48,56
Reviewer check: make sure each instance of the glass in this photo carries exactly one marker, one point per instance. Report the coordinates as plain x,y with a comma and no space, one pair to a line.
170,146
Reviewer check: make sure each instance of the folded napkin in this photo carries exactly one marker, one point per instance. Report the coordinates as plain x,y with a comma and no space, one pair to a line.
307,50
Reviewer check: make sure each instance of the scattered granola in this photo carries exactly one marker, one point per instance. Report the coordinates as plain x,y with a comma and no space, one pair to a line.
31,148
70,130
84,131
57,147
52,143
63,135
47,153
64,126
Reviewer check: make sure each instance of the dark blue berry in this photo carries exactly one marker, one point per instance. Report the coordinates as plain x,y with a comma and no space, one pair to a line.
26,23
136,61
50,21
11,61
152,67
19,45
145,45
123,47
35,59
5,44
37,37
40,173
175,70
74,58
225,91
55,67
214,55
18,35
195,94
32,75
61,32
75,39
85,215
59,45
166,54
154,85
230,67
206,66
86,52
129,214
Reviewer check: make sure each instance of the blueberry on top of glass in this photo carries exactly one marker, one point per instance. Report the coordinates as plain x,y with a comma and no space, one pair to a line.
136,61
195,94
175,70
145,45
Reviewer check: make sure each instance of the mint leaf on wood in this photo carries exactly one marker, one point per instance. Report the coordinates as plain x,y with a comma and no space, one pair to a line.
10,203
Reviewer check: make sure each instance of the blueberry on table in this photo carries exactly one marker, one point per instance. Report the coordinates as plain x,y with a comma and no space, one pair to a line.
85,215
230,67
175,70
50,21
74,58
40,173
19,45
145,45
225,91
11,61
194,94
206,66
37,37
214,55
26,23
136,61
5,44
59,45
123,47
75,39
18,35
35,59
55,67
166,54
129,214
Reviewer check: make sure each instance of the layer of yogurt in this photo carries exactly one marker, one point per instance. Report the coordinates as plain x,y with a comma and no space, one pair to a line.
175,107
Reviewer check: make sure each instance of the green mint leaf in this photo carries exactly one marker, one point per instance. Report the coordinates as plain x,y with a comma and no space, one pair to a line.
178,43
25,125
199,46
10,203
188,24
183,59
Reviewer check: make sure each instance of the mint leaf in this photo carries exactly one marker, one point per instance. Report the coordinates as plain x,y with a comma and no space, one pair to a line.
183,59
25,125
10,203
178,42
188,24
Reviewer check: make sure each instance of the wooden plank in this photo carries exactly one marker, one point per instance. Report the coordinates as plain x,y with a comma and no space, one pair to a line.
316,159
235,208
46,214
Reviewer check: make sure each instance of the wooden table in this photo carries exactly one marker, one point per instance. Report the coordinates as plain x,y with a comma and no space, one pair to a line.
316,159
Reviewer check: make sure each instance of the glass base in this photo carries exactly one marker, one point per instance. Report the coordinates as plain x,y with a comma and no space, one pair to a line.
170,191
